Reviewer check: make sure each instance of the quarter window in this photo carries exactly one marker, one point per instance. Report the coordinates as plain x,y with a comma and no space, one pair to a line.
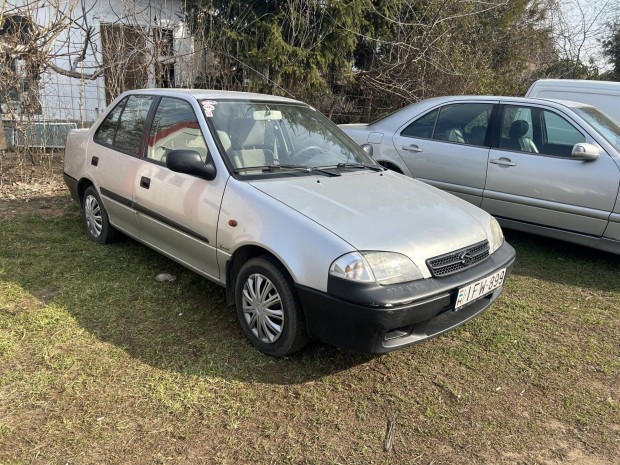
423,127
175,126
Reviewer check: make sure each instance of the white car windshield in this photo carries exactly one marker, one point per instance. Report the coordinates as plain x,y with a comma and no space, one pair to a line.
264,137
604,125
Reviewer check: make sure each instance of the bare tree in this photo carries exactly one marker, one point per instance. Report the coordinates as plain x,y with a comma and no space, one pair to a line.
578,26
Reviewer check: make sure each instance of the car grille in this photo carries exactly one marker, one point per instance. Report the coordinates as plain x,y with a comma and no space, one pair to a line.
452,262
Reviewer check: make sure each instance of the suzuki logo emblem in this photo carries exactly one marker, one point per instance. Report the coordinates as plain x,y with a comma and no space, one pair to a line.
466,258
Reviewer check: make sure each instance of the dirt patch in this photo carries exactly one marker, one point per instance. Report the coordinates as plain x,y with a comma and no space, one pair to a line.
32,184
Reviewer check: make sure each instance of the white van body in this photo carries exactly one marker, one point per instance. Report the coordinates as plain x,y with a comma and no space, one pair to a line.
604,95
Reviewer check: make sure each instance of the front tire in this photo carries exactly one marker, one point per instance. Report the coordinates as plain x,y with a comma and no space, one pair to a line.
268,308
95,216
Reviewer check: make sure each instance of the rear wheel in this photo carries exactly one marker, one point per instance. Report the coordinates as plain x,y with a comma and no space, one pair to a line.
96,223
268,308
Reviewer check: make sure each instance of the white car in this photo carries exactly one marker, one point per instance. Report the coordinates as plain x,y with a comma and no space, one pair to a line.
268,198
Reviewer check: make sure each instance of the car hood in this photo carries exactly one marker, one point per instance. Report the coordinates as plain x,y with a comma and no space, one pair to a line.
383,211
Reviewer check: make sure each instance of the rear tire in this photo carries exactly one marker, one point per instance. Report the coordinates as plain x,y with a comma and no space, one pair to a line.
95,216
268,308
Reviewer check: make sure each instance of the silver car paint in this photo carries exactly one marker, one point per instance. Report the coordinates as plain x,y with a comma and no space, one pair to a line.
305,222
419,226
188,201
115,172
305,247
579,196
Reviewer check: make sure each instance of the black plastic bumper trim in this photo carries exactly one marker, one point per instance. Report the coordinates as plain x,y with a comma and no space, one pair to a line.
72,184
379,319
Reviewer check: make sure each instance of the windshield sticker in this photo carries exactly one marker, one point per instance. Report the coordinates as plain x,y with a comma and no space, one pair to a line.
208,106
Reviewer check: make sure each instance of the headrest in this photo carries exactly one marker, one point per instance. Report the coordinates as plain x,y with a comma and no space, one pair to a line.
224,139
518,129
246,131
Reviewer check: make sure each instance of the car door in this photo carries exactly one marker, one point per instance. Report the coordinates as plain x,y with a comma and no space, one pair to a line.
114,157
532,177
448,147
177,212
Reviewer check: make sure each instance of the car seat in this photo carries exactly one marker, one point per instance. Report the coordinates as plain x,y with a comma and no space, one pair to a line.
517,139
247,138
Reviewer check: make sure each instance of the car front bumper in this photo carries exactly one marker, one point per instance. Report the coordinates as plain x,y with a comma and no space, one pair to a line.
379,319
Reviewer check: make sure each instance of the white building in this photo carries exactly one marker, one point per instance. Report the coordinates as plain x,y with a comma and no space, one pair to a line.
93,50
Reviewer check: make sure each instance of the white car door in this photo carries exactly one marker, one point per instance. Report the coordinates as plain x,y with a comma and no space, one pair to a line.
448,147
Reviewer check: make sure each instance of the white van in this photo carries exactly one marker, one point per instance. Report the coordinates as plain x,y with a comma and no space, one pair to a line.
604,95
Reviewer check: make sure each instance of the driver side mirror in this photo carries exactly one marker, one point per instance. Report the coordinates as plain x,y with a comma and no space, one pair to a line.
584,151
367,148
189,162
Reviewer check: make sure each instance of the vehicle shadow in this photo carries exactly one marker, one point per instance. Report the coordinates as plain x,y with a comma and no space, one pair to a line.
564,263
111,292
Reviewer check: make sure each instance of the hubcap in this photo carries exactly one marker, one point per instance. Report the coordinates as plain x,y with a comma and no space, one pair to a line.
262,308
92,213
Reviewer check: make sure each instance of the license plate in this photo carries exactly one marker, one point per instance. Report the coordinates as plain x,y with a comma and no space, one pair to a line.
479,289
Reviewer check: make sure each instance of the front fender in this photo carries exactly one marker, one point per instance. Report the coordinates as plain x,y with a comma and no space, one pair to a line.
304,247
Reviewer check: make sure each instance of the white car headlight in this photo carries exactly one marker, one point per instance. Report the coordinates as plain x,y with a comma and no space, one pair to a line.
497,236
379,267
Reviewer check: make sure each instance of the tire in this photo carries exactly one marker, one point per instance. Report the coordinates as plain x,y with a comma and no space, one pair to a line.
95,216
274,322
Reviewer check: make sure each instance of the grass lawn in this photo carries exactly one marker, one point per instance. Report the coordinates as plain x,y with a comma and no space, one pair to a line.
100,363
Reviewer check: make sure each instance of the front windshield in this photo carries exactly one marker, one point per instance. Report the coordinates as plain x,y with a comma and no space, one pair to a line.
260,136
604,125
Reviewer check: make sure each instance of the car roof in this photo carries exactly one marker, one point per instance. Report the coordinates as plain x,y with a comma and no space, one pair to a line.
400,117
213,94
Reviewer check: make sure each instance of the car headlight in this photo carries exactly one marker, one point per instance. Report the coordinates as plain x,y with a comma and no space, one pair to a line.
380,267
497,236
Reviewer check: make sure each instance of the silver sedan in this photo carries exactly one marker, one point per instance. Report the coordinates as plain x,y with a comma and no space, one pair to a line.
541,166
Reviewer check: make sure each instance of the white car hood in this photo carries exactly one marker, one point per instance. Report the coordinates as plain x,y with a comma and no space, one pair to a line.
383,211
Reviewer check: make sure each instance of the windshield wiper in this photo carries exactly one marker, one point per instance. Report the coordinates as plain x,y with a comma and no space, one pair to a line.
277,167
271,168
359,166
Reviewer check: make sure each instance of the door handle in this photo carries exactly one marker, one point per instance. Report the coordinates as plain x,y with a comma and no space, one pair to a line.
503,162
412,148
94,161
145,182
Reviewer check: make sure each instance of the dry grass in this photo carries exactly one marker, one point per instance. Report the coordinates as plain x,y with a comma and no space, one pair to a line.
99,363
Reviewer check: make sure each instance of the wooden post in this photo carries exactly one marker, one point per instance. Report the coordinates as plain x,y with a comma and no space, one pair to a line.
3,143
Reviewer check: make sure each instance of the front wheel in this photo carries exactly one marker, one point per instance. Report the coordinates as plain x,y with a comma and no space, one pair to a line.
268,308
96,223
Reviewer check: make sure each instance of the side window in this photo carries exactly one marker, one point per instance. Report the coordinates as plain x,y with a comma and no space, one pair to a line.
533,130
422,127
131,123
175,126
463,123
519,131
105,133
561,135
